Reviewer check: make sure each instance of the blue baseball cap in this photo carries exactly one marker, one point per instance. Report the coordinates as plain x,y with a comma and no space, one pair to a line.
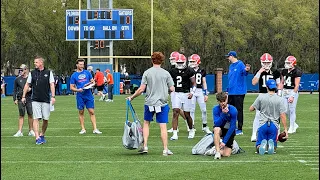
271,84
231,53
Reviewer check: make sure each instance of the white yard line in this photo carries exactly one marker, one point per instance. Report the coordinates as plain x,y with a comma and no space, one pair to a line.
305,154
312,164
152,162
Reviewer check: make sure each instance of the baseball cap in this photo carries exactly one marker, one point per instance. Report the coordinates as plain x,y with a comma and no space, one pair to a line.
107,70
271,84
23,66
231,53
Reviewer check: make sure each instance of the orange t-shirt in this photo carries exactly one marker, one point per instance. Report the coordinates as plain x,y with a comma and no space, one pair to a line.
99,77
110,78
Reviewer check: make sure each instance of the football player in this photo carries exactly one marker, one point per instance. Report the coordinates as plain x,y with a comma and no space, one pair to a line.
201,93
262,76
290,81
183,78
173,58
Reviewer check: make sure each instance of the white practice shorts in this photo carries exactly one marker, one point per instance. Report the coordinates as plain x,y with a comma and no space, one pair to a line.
286,94
41,110
198,97
180,100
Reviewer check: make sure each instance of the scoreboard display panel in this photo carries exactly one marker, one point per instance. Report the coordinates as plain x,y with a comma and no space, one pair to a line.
106,24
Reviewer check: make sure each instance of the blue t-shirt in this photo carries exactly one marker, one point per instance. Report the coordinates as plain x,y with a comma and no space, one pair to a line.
237,79
80,79
225,120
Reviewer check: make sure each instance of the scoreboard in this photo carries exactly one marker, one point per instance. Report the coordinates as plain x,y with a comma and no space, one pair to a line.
106,24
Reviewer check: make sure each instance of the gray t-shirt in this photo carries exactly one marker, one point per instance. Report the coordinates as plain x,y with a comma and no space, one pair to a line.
270,107
158,82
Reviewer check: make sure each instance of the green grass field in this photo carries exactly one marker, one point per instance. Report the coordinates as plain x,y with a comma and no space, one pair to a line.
69,155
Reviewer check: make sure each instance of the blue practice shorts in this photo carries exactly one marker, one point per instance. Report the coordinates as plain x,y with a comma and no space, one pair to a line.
85,101
63,86
161,117
265,132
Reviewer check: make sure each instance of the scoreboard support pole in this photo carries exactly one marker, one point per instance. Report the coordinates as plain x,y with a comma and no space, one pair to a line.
88,42
110,5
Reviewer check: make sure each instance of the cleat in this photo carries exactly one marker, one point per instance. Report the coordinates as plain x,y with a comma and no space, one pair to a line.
270,146
191,134
263,146
239,132
143,150
31,133
210,152
18,134
42,139
171,130
291,130
38,141
295,127
174,137
96,131
167,152
206,130
83,131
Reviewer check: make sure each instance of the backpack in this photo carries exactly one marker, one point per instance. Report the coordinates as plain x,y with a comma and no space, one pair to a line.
203,145
132,135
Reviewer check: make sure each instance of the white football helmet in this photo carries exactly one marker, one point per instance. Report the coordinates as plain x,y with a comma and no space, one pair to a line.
181,63
266,61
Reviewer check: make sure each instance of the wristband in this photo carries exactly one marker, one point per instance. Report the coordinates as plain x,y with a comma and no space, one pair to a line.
205,92
257,75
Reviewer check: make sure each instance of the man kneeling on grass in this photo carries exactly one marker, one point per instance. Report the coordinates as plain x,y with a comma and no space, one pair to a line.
271,108
225,119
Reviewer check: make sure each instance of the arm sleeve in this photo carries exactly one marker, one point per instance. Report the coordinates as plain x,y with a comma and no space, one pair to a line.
29,78
15,90
232,128
51,80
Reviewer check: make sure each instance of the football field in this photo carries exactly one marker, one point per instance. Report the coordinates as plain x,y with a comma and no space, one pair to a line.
69,155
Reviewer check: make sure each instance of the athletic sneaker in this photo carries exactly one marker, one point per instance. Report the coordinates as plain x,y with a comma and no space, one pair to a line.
109,100
83,131
263,147
96,131
206,130
295,127
239,132
167,152
18,134
101,98
42,139
171,130
143,150
174,137
270,146
191,134
291,130
38,141
217,155
31,133
210,152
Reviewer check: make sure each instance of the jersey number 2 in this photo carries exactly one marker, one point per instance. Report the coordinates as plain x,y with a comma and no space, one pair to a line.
179,80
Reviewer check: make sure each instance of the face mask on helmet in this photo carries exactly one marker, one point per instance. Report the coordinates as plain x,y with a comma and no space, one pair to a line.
173,61
266,61
181,63
290,62
174,56
192,64
288,65
266,65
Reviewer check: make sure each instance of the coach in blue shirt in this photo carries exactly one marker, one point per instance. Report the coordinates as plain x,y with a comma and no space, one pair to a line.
237,86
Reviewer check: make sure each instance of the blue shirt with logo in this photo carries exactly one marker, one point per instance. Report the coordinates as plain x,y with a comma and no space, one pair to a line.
225,120
80,79
237,79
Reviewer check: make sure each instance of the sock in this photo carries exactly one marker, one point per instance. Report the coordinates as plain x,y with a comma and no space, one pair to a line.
175,133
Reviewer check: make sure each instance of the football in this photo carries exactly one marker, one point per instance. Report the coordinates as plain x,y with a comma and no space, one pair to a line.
281,137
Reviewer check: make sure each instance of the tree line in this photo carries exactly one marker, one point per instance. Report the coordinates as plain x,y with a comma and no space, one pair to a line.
209,28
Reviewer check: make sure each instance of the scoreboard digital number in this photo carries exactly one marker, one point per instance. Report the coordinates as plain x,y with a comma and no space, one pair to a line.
107,24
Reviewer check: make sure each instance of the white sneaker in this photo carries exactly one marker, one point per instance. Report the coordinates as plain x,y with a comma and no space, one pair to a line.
217,155
291,130
31,133
167,152
210,152
18,134
83,131
96,131
174,137
191,134
206,130
101,99
171,130
253,138
109,100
